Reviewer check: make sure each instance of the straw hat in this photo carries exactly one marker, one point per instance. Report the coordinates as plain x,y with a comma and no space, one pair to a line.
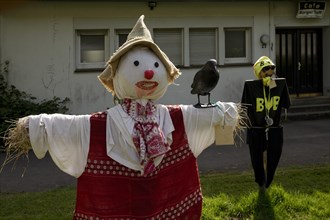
139,36
261,63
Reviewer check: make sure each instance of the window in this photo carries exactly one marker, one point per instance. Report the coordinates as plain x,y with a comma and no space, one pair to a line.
202,45
91,48
122,35
171,42
237,45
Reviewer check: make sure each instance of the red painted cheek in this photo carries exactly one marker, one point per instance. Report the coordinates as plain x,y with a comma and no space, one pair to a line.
148,74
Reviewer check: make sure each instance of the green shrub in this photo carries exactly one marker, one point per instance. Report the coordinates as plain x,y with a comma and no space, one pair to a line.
15,104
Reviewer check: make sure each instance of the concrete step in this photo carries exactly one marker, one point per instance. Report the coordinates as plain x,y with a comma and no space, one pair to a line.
309,108
310,100
314,115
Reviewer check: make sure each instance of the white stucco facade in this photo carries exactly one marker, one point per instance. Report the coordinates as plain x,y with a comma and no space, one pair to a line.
38,39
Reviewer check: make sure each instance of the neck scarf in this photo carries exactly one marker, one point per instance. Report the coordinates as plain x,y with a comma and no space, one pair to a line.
266,81
148,138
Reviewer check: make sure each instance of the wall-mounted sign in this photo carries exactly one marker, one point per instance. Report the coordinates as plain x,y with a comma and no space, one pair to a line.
311,9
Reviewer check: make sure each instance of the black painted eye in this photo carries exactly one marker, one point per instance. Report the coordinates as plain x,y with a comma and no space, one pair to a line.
156,64
136,63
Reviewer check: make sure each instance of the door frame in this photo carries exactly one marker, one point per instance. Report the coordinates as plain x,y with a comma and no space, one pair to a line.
295,46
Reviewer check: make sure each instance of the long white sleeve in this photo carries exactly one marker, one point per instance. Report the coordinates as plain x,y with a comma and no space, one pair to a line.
200,123
65,137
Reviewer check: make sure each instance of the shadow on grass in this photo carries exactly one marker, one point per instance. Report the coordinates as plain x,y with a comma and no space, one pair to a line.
264,208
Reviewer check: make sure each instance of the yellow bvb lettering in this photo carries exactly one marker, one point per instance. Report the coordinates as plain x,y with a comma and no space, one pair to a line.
260,103
276,101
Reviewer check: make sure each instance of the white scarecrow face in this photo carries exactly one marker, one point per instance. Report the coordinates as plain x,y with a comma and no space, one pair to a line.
140,75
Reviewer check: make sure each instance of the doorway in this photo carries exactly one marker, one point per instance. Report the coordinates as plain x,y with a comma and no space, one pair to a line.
299,59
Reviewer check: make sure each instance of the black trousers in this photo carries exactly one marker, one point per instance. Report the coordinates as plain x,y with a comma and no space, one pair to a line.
258,144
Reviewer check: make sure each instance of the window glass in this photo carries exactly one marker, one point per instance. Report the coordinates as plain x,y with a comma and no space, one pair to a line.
237,48
235,43
171,42
122,35
92,48
122,38
202,45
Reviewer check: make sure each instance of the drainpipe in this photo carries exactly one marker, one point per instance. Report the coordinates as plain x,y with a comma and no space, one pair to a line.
1,24
270,48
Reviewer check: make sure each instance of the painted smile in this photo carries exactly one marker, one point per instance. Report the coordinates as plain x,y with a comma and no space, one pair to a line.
147,85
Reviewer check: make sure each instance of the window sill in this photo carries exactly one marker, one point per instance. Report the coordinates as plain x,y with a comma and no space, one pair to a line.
224,65
89,70
237,65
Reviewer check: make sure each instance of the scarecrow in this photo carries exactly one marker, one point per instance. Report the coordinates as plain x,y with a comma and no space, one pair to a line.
265,97
137,160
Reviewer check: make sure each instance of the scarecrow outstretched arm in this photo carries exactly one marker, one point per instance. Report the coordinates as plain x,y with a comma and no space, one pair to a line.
65,137
200,123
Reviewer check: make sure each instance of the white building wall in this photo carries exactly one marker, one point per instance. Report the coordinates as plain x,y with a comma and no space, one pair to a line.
38,40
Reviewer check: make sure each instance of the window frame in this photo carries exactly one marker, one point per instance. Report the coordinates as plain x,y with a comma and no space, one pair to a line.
80,66
248,46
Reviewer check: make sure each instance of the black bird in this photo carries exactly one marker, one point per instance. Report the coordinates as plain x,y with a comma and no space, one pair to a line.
205,81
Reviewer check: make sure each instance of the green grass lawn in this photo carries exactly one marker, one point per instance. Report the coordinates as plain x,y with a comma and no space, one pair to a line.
296,193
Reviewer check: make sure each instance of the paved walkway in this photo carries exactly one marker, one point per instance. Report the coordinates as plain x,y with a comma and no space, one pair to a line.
305,143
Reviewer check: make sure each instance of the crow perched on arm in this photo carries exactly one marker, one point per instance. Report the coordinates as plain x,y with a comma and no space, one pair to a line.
205,81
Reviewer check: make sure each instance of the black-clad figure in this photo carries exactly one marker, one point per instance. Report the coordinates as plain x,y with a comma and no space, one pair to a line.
265,97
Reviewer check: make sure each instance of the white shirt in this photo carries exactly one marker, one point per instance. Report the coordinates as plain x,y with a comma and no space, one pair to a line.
67,137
